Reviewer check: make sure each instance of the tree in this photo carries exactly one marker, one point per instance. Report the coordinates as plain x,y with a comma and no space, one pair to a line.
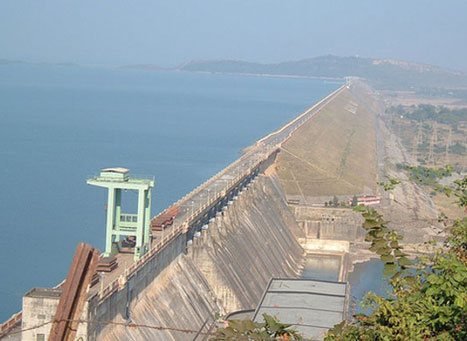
335,201
429,298
270,329
354,201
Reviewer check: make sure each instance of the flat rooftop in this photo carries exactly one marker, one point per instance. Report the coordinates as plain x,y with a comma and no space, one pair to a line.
44,293
120,170
310,306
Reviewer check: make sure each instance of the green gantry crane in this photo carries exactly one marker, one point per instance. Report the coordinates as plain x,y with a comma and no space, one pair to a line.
121,224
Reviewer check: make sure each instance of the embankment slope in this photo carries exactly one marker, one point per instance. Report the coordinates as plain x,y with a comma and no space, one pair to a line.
335,152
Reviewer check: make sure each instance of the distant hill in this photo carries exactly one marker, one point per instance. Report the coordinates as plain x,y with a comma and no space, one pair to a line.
14,61
147,67
382,73
9,61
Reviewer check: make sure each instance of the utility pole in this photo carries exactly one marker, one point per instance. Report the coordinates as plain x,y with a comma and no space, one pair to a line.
433,141
448,145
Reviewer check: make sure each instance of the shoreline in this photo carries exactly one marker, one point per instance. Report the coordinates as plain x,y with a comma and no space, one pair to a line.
266,75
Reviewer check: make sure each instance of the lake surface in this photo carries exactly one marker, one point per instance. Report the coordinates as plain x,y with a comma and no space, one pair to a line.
367,277
60,125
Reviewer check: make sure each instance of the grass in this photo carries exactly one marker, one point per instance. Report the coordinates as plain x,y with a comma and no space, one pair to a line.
333,154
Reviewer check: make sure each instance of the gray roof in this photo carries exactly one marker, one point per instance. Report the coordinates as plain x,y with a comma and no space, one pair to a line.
120,170
311,306
44,293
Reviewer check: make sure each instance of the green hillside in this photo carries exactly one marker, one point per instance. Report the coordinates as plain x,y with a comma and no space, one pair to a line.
381,73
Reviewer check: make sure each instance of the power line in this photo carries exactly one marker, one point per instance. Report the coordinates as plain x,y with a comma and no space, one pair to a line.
122,324
27,329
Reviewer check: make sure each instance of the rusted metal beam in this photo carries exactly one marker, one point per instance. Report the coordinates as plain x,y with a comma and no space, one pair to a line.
73,296
12,322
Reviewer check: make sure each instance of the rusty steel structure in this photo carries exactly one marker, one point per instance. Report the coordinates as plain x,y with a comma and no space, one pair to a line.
73,297
10,324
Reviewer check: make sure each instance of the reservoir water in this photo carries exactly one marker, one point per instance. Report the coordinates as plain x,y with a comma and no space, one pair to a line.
61,124
367,277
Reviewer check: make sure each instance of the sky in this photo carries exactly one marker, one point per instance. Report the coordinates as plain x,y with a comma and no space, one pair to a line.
168,33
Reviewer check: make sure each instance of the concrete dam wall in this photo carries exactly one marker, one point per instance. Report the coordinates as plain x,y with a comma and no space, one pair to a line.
330,223
225,269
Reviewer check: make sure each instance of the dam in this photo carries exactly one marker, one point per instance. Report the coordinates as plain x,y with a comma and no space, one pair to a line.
232,234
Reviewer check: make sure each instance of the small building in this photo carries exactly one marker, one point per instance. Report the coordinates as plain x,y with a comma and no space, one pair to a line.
39,309
39,306
367,200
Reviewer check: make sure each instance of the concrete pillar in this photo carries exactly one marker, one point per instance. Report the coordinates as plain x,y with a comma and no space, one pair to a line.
110,222
118,203
147,217
140,224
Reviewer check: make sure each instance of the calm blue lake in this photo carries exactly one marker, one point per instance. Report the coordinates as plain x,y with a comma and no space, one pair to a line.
367,277
60,125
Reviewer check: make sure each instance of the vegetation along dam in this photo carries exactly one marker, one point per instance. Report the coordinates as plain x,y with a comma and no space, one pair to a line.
214,251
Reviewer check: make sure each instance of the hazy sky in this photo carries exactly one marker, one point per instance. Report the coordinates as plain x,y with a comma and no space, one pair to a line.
175,31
